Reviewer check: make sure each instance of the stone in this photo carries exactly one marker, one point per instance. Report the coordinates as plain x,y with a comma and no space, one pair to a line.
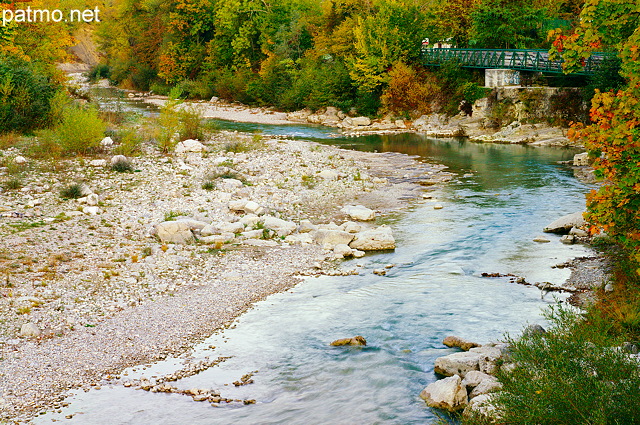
480,406
359,212
581,159
252,234
541,239
486,386
20,160
330,238
252,207
214,240
380,272
92,199
437,207
356,340
358,253
578,232
73,213
374,239
447,394
190,145
454,341
281,227
234,228
457,363
534,329
98,163
209,230
351,227
343,250
194,224
299,239
106,142
174,232
564,224
360,121
230,184
30,330
91,210
473,378
329,175
488,358
85,190
608,287
237,205
306,226
118,159
568,239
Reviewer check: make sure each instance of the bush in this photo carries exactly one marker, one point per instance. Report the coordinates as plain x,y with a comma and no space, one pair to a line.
99,72
80,130
25,97
407,93
571,374
72,191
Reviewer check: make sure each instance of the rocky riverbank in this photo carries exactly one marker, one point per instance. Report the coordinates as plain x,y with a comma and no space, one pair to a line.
93,285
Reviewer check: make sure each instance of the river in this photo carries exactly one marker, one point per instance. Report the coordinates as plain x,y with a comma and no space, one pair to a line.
500,199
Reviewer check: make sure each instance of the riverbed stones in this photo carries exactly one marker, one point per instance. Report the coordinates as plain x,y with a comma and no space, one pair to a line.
565,223
486,386
447,394
359,212
174,232
455,341
106,142
190,146
356,341
342,250
374,239
581,159
20,160
306,226
457,363
481,406
30,330
473,378
541,239
278,225
118,159
488,357
330,238
328,175
568,239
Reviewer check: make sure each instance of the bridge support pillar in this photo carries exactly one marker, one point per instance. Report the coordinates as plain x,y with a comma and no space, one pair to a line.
501,77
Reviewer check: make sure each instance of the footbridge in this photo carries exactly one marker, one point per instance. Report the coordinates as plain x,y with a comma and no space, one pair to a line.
514,59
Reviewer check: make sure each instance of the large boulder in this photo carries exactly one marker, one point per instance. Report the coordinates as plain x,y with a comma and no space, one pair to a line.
489,358
447,394
359,212
281,227
473,378
581,159
564,224
330,238
174,232
356,340
457,363
486,386
360,121
374,239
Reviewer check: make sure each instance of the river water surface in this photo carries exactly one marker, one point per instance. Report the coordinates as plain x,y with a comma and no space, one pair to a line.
500,199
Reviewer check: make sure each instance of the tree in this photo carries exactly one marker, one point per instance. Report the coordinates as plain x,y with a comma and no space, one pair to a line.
453,21
613,137
504,24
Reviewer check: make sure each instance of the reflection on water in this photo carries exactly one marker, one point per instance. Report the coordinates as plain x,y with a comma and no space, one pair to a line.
499,201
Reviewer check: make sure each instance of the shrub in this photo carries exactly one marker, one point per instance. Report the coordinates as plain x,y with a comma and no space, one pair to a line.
14,183
25,96
129,142
72,191
571,374
407,93
80,130
99,72
122,166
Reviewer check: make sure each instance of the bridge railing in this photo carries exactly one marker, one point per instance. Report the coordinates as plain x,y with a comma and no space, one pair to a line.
518,59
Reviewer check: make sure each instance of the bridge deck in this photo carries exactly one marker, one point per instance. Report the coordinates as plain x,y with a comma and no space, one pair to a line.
521,60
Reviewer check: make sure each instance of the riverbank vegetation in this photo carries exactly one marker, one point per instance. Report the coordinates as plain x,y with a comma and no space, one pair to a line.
292,54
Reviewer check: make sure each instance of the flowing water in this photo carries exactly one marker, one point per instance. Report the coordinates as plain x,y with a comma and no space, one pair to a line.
501,198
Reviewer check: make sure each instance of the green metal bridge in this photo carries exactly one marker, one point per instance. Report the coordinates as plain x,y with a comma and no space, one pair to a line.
516,59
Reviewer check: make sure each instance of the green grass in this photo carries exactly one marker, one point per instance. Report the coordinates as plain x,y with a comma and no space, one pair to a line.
25,225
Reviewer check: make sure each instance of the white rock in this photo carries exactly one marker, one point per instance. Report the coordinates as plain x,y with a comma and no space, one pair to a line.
190,145
328,175
359,212
358,254
306,226
581,159
73,213
118,158
447,394
106,142
481,406
330,238
91,210
174,232
360,121
486,386
343,250
238,205
437,207
98,163
474,377
457,363
374,239
578,232
214,240
92,199
230,184
30,330
19,160
489,356
568,239
281,227
253,208
209,230
299,239
85,190
351,227
565,223
252,234
234,228
541,239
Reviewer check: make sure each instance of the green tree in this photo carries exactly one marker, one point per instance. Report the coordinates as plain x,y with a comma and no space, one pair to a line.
504,24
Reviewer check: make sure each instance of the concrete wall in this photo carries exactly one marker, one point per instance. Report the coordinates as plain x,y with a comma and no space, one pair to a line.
501,77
